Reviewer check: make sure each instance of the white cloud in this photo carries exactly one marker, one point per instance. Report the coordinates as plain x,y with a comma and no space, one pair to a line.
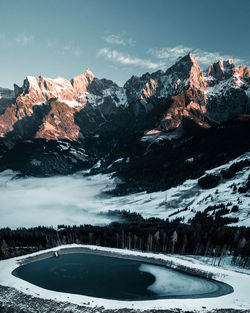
64,48
71,48
206,57
117,39
171,54
21,39
126,59
24,39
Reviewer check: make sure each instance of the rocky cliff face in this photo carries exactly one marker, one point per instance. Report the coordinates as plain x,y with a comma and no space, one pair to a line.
217,94
227,90
36,92
61,99
98,115
71,107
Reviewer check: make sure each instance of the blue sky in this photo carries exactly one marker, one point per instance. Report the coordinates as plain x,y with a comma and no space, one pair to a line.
117,38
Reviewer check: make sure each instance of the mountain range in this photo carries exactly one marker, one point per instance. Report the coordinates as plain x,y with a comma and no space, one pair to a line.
144,131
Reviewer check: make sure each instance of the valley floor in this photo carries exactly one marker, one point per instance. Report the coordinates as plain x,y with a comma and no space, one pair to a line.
78,200
20,296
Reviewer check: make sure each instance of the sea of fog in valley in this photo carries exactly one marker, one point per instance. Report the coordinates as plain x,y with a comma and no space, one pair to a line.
79,199
71,200
31,201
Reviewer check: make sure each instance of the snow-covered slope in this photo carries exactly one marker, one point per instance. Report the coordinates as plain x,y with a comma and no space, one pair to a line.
185,200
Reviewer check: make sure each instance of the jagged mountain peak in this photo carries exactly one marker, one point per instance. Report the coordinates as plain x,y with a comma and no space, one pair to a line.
81,82
183,74
227,90
244,71
221,69
184,64
188,58
88,73
60,82
185,67
181,92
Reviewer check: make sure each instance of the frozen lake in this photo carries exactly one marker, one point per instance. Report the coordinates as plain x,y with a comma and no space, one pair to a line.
114,278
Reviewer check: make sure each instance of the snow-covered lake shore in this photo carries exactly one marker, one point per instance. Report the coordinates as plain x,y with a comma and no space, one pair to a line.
240,282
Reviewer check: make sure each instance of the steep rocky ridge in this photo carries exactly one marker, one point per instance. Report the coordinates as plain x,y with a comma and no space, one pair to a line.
87,104
162,109
227,90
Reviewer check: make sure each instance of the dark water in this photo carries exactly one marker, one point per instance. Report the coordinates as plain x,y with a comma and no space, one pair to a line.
112,278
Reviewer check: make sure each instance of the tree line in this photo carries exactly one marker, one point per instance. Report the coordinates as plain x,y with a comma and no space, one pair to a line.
205,237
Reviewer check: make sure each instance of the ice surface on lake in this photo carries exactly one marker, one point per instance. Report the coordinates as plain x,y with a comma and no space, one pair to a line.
170,282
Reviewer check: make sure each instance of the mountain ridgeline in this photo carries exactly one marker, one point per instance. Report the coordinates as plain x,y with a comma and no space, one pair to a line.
144,131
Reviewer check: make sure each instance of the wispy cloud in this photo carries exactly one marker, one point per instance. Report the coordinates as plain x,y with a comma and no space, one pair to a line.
126,59
118,39
171,54
50,43
2,37
24,39
206,57
21,39
76,52
69,48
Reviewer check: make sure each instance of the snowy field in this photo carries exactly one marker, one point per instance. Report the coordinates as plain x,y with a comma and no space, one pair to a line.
240,282
77,199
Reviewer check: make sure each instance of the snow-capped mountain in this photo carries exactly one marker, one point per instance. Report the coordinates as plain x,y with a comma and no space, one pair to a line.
51,106
52,103
227,90
109,122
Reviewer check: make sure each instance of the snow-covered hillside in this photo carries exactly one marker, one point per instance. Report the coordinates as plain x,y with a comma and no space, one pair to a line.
185,200
75,199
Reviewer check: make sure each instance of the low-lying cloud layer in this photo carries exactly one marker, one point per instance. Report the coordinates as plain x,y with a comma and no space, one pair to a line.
27,202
